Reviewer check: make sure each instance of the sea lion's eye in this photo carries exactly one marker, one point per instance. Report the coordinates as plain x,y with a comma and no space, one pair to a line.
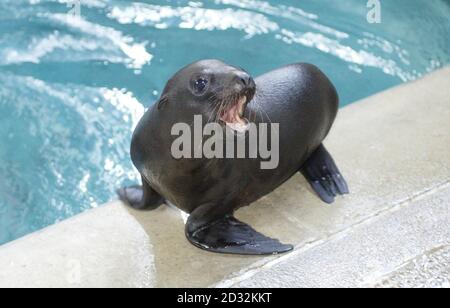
200,85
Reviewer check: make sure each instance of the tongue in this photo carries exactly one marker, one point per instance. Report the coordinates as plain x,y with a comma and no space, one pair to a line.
232,117
234,121
238,126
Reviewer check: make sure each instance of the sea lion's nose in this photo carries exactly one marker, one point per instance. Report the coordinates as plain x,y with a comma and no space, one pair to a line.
245,79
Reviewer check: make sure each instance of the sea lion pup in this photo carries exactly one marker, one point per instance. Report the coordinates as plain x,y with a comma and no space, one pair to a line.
297,103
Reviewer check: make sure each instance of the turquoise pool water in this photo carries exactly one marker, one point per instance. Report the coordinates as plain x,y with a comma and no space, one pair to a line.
72,89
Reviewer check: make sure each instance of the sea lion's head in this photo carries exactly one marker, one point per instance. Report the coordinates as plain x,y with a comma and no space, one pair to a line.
217,91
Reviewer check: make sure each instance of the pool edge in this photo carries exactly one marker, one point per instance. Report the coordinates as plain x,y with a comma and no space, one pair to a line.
118,247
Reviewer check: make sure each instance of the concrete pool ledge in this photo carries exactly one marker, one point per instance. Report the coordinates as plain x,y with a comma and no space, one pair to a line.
393,230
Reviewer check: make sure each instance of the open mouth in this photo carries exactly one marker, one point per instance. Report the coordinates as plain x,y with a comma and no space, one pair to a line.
233,116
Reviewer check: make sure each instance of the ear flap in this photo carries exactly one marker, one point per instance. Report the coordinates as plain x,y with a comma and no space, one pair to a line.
162,102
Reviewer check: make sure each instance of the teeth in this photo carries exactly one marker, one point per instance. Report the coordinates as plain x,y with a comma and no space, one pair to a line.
237,112
239,127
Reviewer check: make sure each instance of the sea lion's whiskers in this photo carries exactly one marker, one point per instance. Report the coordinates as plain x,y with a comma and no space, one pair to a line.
262,109
258,108
276,127
219,112
255,116
216,104
227,101
251,115
216,112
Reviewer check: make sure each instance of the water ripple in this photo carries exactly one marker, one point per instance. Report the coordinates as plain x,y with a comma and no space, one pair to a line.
90,41
162,17
69,150
199,18
74,88
346,53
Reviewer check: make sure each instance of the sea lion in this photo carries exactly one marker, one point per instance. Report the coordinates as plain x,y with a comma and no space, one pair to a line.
299,98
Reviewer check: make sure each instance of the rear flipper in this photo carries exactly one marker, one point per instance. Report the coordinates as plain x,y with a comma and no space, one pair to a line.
324,176
229,235
140,197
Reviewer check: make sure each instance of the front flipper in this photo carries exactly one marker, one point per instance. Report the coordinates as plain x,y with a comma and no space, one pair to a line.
140,197
324,176
231,236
